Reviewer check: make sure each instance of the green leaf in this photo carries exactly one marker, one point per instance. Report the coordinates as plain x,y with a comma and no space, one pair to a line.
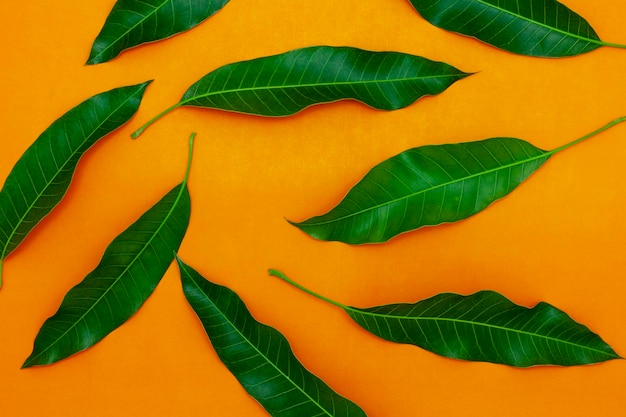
430,185
129,271
484,326
258,355
133,22
284,84
543,28
43,174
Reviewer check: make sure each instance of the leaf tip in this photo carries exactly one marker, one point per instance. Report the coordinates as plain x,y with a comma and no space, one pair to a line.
291,222
96,55
28,363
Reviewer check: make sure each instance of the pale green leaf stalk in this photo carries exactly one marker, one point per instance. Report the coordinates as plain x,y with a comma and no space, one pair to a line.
541,28
130,269
284,84
484,326
431,185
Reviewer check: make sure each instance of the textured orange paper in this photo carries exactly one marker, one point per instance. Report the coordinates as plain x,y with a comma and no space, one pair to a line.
559,238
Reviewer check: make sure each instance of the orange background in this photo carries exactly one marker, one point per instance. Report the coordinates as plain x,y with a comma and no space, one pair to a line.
559,238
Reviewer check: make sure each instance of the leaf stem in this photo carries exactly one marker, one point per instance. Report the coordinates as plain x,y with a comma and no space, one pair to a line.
589,135
192,137
139,131
278,274
612,45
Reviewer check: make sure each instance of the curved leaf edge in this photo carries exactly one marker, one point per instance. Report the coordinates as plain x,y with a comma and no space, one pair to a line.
352,311
141,88
598,42
315,220
187,277
547,155
95,59
31,361
183,103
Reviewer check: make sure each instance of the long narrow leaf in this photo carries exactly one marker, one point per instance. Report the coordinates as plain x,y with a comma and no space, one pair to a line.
258,355
428,186
485,327
134,22
543,28
129,271
43,174
284,84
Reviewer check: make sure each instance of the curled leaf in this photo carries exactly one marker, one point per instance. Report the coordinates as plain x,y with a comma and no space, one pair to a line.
484,326
134,22
129,271
543,28
284,84
430,185
43,174
258,355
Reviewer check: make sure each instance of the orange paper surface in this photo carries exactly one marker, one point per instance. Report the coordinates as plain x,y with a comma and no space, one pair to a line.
559,238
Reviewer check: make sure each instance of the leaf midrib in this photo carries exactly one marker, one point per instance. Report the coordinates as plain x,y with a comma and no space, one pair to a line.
473,323
130,29
119,277
58,172
254,347
545,154
326,84
554,29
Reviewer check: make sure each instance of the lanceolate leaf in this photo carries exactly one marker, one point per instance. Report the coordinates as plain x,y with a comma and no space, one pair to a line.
430,185
133,22
544,28
258,355
130,269
43,174
284,84
485,327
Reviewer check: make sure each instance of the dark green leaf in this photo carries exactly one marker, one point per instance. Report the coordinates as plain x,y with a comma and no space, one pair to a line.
485,327
133,22
43,174
258,355
428,186
129,271
284,84
544,28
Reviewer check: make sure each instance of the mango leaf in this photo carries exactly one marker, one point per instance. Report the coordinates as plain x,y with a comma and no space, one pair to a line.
484,326
258,355
133,22
43,174
430,185
284,84
543,28
129,271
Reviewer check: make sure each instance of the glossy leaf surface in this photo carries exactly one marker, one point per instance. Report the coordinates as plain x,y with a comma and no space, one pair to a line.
43,174
129,271
543,28
428,186
484,326
133,22
285,84
487,327
258,355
